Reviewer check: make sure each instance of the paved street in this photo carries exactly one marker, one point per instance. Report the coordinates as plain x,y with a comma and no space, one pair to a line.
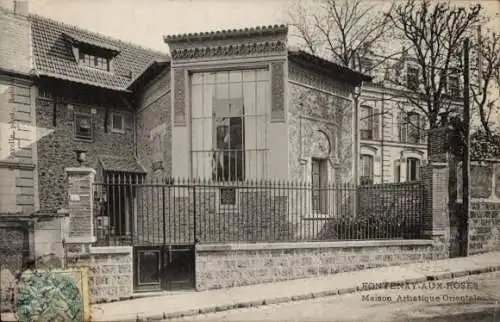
472,298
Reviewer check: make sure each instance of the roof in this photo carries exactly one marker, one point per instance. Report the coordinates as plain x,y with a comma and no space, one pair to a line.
53,55
230,33
148,73
120,164
328,67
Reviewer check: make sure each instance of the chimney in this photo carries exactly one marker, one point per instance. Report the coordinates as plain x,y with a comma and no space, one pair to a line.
7,5
21,7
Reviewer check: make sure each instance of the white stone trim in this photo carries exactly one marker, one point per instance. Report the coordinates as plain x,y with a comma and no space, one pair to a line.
417,154
80,170
369,150
80,240
312,245
110,250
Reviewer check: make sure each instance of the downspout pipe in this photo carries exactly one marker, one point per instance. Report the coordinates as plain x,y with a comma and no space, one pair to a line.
382,114
134,125
357,147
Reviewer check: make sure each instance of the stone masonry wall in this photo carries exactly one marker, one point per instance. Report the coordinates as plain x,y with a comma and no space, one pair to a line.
59,145
227,266
484,222
484,227
112,276
154,130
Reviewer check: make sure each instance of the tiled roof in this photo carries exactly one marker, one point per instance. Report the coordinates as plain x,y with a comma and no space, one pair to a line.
53,55
120,164
230,33
326,66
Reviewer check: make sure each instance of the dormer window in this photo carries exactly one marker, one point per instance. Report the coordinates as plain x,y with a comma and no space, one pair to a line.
93,61
90,53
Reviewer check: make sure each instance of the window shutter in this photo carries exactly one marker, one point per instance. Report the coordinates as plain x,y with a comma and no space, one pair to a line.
423,129
402,127
376,123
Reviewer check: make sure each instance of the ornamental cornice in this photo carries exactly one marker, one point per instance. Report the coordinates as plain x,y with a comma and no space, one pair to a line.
271,30
246,49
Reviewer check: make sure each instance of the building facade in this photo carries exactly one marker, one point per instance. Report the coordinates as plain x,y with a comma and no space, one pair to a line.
392,129
246,107
232,106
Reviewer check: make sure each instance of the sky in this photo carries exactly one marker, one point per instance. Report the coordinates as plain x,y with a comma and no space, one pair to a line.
145,22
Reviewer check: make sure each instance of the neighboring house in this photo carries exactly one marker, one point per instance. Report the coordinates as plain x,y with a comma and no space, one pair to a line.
17,114
17,155
85,99
393,140
66,89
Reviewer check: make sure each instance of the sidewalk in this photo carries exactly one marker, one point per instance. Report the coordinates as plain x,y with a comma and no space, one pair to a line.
193,303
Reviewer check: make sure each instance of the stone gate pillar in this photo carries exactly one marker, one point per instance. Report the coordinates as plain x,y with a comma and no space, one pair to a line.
80,208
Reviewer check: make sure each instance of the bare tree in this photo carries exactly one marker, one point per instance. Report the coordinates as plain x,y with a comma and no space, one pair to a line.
339,30
434,33
485,91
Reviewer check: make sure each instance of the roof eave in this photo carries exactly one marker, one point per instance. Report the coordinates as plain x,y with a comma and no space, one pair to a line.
226,34
80,81
133,84
332,69
80,40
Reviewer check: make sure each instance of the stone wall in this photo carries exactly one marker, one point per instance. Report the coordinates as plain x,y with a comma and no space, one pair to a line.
484,227
230,265
154,129
60,143
112,273
484,222
49,231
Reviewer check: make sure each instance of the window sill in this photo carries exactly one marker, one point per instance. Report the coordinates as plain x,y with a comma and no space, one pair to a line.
117,131
90,140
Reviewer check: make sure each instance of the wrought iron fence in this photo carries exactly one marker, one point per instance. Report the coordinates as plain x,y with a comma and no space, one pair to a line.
188,211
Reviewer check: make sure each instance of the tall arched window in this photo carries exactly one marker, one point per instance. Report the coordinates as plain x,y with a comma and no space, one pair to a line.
412,169
366,169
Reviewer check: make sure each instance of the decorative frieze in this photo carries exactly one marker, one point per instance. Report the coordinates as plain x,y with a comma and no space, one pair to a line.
277,91
246,49
179,97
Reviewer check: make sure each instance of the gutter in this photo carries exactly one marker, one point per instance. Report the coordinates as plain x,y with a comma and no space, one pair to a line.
129,106
14,73
382,110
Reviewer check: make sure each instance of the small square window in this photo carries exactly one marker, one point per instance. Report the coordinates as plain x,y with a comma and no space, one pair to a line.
83,126
117,122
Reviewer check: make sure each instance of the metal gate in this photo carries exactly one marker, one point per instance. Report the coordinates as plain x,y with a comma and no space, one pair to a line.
156,220
166,267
